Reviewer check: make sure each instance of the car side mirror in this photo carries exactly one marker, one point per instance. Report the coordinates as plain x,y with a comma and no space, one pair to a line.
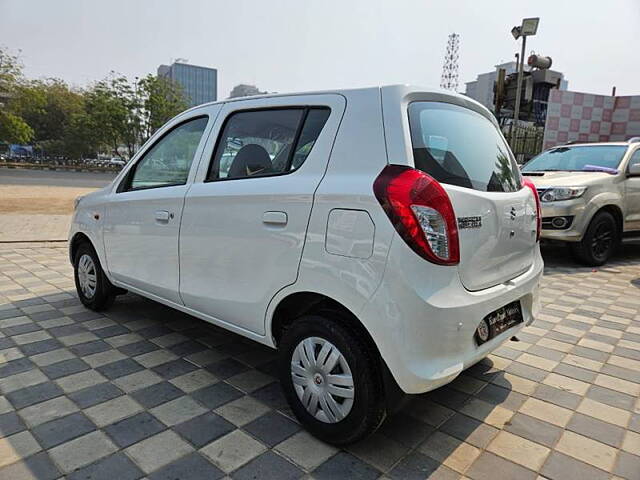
634,170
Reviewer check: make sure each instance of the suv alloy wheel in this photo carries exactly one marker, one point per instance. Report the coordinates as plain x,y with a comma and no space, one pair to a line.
599,242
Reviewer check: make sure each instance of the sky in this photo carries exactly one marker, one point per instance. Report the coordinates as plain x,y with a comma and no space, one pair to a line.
298,45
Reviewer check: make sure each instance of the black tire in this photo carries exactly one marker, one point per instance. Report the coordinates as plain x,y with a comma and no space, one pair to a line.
600,241
104,293
369,407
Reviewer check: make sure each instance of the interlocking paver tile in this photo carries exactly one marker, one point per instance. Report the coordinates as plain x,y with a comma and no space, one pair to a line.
174,368
535,430
35,467
488,466
157,394
82,451
562,467
193,465
158,450
34,394
345,462
546,411
586,450
232,450
117,466
54,356
268,466
138,380
450,451
113,410
48,410
120,368
204,429
95,394
519,450
64,368
217,394
63,429
133,429
11,423
306,450
272,428
90,348
627,466
16,447
604,412
178,411
596,429
631,443
242,411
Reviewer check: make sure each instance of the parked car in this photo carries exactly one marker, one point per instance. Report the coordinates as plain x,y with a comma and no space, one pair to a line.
590,194
382,239
116,162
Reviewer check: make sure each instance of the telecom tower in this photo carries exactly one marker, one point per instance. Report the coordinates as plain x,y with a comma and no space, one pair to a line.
449,79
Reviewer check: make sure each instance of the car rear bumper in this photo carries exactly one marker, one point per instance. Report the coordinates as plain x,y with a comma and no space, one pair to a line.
424,320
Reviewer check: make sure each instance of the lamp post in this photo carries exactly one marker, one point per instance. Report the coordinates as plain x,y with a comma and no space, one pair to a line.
528,28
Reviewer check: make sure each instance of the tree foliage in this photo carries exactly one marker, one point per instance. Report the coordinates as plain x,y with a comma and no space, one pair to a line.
113,116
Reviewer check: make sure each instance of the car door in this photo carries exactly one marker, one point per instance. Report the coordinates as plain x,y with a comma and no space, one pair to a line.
245,218
143,214
632,195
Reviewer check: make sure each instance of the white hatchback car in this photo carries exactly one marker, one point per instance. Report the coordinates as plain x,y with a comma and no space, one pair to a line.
382,239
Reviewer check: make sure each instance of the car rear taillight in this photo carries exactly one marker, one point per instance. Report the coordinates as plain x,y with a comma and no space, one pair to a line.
528,183
421,212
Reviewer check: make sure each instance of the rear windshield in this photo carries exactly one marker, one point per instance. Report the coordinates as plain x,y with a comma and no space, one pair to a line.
579,158
460,147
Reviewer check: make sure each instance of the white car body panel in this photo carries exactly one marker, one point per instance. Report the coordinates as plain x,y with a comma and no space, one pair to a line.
234,229
234,270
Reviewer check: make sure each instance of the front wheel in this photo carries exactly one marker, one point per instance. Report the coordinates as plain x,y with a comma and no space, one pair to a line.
93,287
599,242
331,380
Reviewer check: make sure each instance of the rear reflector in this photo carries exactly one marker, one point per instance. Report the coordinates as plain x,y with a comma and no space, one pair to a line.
528,183
421,212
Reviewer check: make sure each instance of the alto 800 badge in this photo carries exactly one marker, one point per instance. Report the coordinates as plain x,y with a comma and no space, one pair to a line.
469,222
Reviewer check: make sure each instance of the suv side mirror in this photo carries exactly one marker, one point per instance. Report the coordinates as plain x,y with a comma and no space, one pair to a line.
634,170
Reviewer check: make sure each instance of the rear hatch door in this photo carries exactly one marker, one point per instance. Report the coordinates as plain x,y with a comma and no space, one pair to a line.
464,150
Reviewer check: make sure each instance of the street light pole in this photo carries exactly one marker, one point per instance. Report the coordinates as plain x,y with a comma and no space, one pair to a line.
529,27
516,113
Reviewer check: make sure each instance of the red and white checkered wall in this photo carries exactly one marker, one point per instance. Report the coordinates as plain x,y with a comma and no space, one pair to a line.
585,117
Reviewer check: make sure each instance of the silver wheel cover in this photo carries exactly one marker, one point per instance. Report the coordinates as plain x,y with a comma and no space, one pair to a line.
87,276
322,379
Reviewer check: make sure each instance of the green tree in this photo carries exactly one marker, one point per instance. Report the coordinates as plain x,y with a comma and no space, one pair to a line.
47,106
10,74
14,129
161,99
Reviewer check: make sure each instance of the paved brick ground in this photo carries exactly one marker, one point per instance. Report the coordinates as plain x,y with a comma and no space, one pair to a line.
146,391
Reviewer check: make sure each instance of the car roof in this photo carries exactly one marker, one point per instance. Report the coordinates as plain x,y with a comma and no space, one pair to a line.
340,91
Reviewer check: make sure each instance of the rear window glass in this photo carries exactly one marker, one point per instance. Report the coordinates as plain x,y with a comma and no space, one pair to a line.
458,146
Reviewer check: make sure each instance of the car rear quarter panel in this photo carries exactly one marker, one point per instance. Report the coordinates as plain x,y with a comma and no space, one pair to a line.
357,157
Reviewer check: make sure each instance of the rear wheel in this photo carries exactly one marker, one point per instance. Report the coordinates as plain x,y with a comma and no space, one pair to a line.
331,381
93,287
600,241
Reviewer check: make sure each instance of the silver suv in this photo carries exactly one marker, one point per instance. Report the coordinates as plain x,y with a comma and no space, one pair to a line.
590,196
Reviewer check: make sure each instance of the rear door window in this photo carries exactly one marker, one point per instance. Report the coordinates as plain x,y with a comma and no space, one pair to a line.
458,146
258,143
